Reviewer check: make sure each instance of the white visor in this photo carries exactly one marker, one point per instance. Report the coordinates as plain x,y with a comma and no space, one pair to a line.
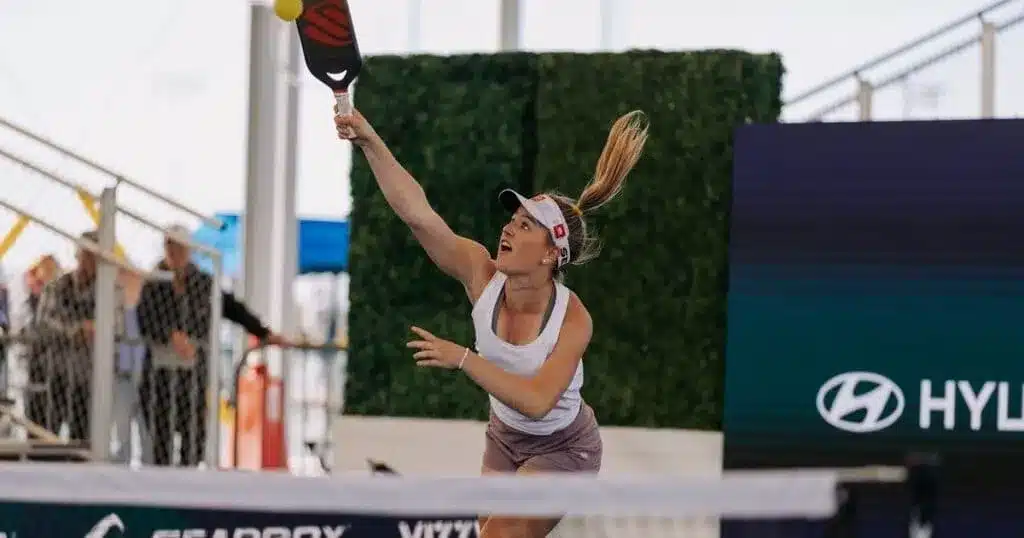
544,210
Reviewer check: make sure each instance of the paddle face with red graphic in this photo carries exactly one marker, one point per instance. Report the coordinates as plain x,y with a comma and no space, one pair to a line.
330,47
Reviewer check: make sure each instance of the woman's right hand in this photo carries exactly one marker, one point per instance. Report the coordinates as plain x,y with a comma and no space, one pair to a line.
353,127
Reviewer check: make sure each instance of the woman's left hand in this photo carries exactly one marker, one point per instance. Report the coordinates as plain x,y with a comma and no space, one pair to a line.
436,352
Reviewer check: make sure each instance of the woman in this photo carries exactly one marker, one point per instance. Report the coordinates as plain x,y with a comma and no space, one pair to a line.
531,331
39,406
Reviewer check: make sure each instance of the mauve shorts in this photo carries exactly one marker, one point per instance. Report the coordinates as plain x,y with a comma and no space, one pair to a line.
575,448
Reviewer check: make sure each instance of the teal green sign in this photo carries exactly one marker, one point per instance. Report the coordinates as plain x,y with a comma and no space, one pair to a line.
876,287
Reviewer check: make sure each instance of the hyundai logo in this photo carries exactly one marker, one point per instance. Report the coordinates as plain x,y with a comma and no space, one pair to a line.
860,402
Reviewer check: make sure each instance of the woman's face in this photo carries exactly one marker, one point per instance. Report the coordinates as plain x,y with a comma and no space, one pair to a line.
524,245
46,270
32,282
176,255
39,276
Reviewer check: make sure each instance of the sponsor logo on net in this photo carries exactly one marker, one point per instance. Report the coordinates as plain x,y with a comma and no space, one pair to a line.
867,402
111,526
442,528
106,526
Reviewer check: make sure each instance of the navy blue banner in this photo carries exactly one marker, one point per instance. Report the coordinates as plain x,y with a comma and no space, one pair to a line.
50,520
876,309
876,518
876,290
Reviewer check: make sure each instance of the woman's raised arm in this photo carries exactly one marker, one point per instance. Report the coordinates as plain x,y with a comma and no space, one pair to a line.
459,257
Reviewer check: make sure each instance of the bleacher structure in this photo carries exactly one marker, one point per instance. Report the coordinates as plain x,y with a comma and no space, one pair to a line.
33,440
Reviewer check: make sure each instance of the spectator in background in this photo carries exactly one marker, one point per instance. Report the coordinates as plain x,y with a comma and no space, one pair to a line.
5,329
128,363
65,328
131,354
174,318
41,273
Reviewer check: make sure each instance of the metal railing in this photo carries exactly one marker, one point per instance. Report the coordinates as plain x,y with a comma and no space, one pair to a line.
100,406
119,179
91,246
216,259
41,445
866,88
78,187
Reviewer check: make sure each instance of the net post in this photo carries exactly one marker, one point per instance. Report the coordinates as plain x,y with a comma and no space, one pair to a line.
214,367
104,325
922,483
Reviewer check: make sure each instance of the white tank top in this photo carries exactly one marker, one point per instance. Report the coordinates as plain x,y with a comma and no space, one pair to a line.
526,359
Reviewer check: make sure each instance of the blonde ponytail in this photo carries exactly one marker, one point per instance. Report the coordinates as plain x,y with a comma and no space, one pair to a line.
621,152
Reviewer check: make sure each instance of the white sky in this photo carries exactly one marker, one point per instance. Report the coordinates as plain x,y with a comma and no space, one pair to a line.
157,88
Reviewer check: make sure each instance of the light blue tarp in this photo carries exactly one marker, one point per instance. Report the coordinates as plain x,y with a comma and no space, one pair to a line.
323,245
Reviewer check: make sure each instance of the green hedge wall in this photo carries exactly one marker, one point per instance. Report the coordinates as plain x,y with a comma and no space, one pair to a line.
467,126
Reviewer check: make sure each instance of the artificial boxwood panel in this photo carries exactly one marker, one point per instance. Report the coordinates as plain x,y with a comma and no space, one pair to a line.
657,292
467,126
464,127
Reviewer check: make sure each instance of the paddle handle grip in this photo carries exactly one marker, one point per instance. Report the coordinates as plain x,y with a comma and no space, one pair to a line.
344,103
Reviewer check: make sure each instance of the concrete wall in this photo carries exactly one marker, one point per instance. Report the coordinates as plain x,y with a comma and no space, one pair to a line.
454,447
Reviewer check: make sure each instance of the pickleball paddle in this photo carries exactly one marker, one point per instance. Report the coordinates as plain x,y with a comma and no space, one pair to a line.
330,47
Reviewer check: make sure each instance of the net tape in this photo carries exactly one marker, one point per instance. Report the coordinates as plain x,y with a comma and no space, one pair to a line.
779,494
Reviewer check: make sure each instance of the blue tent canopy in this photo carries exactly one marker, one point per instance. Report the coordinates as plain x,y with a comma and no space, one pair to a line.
323,244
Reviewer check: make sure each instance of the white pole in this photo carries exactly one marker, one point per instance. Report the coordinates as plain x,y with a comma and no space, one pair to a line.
608,15
415,11
865,98
988,69
262,171
261,159
104,326
286,233
211,452
509,25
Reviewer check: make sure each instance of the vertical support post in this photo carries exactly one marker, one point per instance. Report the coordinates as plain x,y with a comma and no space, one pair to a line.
337,364
283,316
988,69
263,163
261,160
101,406
907,98
609,19
865,96
508,25
415,12
214,370
923,485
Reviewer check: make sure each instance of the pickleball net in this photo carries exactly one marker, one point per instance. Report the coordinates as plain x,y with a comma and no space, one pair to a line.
70,500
